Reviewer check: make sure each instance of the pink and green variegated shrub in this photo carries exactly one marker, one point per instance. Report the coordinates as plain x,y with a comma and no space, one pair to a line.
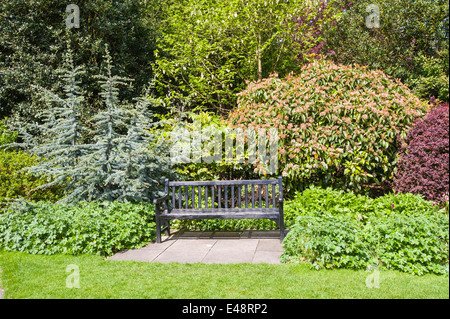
338,125
423,165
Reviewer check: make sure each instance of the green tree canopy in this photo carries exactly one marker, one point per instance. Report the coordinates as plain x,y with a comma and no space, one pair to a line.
32,44
210,48
412,39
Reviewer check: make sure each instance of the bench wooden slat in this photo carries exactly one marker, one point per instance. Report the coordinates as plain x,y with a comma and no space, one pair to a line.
228,214
199,197
273,195
246,196
228,210
186,196
173,196
232,196
267,195
239,196
253,196
206,196
259,196
226,196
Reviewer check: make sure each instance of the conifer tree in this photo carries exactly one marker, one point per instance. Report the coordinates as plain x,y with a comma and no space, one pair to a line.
57,139
120,165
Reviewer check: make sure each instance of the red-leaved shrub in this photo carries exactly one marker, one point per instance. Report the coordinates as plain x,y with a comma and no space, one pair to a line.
423,165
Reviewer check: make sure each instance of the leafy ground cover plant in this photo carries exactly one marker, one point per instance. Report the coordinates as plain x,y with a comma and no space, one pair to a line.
416,244
338,125
334,229
83,228
423,167
325,242
317,201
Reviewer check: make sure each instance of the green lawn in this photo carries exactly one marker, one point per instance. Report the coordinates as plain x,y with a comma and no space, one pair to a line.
34,276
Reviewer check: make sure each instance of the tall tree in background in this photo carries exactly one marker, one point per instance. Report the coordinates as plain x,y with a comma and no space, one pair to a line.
210,48
411,42
124,162
32,41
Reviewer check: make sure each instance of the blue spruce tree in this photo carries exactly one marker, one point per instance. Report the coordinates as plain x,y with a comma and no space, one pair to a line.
124,162
56,140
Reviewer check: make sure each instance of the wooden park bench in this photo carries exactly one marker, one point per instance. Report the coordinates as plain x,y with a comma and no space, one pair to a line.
237,199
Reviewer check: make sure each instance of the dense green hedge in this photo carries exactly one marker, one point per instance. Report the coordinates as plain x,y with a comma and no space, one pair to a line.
85,228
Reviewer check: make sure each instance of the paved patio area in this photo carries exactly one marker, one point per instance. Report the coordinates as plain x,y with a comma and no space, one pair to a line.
211,247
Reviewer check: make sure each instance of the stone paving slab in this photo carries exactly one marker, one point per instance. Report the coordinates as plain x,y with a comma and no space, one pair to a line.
210,247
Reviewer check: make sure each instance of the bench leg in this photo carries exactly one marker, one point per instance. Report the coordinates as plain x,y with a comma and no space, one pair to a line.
167,226
158,230
281,224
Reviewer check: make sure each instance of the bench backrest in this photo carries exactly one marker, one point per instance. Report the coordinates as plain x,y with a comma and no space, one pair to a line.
234,195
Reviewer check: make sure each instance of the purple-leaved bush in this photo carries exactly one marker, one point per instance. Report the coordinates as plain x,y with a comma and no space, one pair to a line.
423,165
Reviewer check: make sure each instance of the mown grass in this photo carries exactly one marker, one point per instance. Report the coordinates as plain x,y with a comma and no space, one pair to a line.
36,276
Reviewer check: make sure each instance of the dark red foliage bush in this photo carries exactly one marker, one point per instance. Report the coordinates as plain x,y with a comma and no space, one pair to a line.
423,165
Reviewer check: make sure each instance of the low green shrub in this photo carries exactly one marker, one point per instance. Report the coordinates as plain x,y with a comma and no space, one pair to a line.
406,204
83,228
317,200
336,229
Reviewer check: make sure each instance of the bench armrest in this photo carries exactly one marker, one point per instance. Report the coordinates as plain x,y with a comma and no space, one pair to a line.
156,201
